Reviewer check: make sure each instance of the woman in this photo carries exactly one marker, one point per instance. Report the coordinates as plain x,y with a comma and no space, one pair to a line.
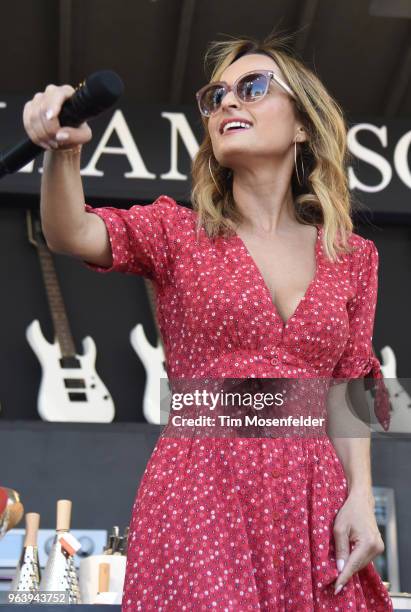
253,523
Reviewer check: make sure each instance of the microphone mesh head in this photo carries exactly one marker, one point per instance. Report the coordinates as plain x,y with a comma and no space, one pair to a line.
105,86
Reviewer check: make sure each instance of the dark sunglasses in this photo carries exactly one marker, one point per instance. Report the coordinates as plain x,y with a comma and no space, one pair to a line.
249,87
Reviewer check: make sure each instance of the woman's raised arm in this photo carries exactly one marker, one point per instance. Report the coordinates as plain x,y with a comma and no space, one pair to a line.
66,225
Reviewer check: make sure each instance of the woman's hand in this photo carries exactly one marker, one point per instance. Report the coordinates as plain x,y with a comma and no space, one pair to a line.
40,119
356,523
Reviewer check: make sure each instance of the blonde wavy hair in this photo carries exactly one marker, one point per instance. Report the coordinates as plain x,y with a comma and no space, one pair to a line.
324,196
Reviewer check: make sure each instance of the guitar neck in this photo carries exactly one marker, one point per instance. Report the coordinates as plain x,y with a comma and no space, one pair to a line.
55,299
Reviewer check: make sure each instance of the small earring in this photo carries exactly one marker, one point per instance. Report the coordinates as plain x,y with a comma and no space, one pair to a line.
295,164
212,175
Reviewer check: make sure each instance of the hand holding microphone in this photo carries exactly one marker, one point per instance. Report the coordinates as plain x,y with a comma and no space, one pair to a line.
41,120
59,107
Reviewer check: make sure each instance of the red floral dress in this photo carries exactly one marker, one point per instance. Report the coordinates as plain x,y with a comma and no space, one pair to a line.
239,524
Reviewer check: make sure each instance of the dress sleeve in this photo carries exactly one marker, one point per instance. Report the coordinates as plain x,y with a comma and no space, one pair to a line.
358,359
140,238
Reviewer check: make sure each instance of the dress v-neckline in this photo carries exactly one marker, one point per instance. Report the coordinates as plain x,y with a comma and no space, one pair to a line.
266,289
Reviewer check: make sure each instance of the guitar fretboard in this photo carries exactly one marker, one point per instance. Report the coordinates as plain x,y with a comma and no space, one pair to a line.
58,311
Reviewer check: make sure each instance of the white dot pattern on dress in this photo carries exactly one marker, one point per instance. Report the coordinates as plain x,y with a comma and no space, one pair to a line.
243,524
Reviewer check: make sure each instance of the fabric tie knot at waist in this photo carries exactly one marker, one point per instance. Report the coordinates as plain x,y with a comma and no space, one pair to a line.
374,382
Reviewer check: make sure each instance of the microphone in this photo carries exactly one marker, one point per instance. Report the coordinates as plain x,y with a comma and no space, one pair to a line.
91,97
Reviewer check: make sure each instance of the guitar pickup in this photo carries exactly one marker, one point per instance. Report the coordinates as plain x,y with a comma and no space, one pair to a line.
70,362
74,383
77,397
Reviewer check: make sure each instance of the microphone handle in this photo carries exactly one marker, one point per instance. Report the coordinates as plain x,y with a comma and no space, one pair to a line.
20,155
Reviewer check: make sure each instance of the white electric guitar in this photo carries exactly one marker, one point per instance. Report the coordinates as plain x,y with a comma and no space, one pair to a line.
70,389
154,407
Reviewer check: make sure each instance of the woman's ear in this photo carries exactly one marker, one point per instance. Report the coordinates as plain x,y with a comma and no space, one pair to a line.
301,135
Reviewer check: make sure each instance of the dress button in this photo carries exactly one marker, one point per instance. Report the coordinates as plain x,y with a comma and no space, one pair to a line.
275,473
276,516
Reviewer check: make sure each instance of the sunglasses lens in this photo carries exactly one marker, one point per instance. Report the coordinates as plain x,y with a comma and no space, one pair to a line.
252,86
210,99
